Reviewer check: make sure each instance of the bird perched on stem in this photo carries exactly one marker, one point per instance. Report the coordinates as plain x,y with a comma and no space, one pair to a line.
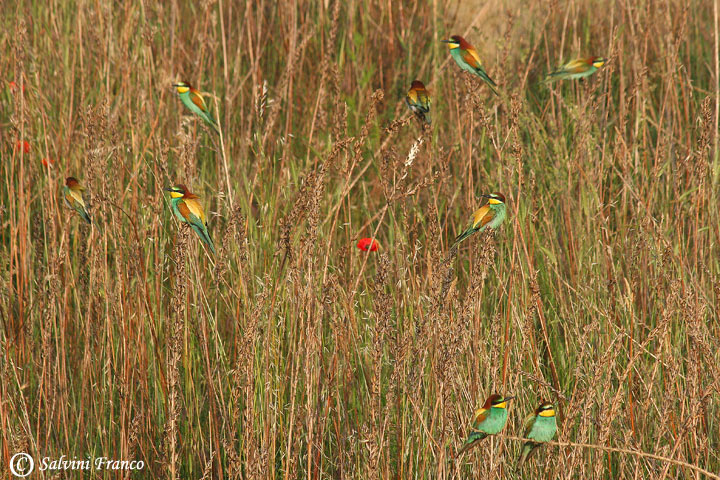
468,59
73,197
579,68
418,100
188,210
194,100
489,420
539,427
490,215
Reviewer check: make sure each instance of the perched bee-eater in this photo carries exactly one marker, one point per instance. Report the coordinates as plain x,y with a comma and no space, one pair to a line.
489,420
188,210
418,101
194,100
467,58
540,427
73,197
579,68
490,215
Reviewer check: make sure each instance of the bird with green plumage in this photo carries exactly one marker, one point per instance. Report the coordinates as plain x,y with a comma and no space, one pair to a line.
187,209
490,419
468,59
491,215
193,100
539,427
73,197
574,69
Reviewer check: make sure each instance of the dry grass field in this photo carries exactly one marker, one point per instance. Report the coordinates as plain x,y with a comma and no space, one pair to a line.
293,354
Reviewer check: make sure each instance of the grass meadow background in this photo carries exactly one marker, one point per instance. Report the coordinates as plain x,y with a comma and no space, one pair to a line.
292,354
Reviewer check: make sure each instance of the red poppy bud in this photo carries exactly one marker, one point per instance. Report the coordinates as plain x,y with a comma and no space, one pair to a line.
14,87
48,162
24,145
368,244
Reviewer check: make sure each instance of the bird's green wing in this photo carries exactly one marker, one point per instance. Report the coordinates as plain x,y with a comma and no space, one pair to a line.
480,415
193,214
483,74
482,216
85,215
472,440
472,58
424,100
69,199
527,449
197,98
528,424
77,196
575,66
412,96
185,211
74,200
195,208
202,232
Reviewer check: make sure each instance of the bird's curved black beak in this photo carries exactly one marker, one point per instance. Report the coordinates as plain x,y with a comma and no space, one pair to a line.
168,189
446,41
509,398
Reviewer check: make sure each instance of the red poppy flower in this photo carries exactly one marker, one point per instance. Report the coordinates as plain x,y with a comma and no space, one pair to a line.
14,87
48,162
368,244
24,145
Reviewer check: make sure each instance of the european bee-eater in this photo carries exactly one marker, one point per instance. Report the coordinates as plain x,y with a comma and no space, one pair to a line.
194,100
418,101
579,68
73,197
188,210
490,215
540,427
467,58
489,420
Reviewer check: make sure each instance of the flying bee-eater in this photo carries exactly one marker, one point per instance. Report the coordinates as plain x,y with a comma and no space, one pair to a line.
540,426
489,420
194,100
188,210
491,215
468,59
73,197
418,100
579,68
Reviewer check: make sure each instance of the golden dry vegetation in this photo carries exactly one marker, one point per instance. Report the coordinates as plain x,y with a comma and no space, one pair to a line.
291,353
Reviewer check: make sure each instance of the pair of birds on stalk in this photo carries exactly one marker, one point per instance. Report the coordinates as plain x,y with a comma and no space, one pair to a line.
539,427
184,204
418,99
467,58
